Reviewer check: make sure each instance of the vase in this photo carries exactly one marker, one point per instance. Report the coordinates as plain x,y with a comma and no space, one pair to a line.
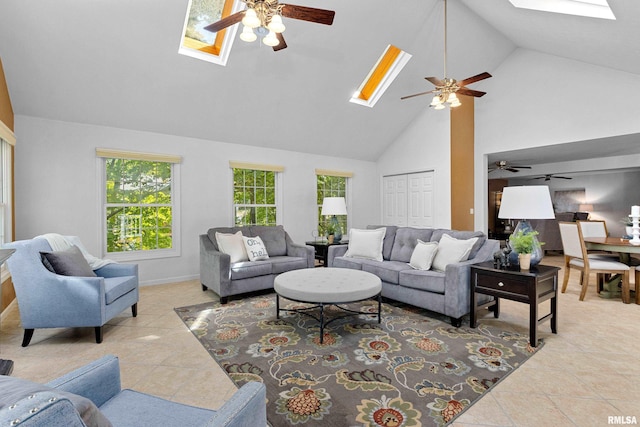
628,230
525,261
536,255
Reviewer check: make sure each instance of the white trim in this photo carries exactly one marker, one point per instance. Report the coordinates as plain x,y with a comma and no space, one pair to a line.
7,134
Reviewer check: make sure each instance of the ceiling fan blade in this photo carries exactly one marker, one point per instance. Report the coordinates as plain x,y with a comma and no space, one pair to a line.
281,45
225,22
471,92
311,14
417,94
521,167
474,79
511,170
436,81
562,177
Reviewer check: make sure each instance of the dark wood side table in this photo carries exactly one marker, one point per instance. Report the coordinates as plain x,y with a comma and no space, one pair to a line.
530,287
321,248
6,366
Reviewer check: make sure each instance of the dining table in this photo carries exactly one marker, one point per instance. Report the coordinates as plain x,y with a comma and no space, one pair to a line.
625,248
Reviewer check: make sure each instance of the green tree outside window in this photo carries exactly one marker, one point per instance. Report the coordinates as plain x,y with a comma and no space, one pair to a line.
138,205
330,186
254,197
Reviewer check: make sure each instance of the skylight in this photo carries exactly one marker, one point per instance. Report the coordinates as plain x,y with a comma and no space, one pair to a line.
589,8
389,65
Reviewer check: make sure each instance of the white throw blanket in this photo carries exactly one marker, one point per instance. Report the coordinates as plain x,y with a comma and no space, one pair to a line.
59,242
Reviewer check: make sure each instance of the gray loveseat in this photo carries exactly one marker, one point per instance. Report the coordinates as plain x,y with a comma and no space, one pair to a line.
443,292
226,279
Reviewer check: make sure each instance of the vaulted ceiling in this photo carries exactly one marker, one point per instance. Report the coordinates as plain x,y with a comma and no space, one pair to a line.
116,63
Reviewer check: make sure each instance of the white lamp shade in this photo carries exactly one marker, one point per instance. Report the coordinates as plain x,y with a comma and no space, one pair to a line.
248,35
251,19
271,39
334,206
276,24
526,202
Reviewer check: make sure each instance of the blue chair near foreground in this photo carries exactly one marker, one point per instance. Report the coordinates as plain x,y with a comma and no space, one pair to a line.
63,402
50,300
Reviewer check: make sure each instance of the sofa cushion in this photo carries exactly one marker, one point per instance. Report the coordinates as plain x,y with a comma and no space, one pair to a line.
387,271
273,237
232,245
451,251
366,243
14,389
256,249
344,262
115,287
247,269
69,262
280,264
406,241
423,255
424,280
389,237
462,235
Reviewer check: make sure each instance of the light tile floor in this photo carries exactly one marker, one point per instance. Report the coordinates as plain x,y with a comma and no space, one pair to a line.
585,374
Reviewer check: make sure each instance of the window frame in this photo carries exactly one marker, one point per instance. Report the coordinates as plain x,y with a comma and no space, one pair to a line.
7,142
347,196
277,171
175,250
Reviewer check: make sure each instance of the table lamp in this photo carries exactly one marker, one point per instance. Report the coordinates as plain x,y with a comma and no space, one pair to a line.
524,203
334,206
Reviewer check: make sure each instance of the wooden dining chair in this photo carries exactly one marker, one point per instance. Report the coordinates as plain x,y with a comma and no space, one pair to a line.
597,228
576,257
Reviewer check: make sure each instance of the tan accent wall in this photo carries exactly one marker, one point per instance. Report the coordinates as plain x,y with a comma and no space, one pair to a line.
462,148
6,116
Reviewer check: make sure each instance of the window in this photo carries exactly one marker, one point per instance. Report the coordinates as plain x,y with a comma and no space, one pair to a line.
7,140
331,184
254,197
140,204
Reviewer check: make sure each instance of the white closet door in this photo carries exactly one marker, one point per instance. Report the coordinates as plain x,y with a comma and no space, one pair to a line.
420,209
394,203
408,200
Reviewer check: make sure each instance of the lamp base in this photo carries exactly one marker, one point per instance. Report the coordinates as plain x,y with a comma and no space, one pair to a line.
337,235
537,254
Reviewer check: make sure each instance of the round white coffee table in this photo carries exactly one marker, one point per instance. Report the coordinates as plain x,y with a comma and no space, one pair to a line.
327,286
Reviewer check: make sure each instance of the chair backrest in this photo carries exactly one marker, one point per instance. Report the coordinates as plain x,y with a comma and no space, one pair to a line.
572,244
593,228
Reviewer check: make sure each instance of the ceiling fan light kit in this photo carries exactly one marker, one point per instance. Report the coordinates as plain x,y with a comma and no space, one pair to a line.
445,91
263,18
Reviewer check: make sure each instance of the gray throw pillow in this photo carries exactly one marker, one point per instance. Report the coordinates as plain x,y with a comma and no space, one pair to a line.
14,389
69,262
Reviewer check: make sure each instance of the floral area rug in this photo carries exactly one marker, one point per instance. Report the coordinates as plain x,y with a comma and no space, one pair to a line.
413,369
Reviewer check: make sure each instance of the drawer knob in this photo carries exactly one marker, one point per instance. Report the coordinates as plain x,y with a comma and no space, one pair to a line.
500,284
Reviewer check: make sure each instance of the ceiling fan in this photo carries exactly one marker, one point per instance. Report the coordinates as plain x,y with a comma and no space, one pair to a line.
264,18
446,89
549,176
505,166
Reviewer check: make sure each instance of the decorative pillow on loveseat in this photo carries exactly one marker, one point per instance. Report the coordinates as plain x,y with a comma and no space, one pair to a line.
69,262
423,255
366,243
452,250
256,249
232,245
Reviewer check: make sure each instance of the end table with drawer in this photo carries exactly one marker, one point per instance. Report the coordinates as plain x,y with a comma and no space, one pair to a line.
321,248
532,287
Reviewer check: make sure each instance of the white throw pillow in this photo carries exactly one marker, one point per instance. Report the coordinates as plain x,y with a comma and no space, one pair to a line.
452,250
423,255
366,243
256,249
232,245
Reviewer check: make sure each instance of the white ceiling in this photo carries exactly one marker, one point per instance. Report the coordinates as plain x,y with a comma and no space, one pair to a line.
116,63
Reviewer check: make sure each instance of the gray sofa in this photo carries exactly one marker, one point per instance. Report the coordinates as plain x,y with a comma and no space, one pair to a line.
226,279
443,292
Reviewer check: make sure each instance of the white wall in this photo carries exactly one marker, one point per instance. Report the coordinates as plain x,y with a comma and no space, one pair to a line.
535,100
56,186
532,100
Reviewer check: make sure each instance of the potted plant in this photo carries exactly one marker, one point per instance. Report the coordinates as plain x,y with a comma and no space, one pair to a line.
628,225
524,244
331,231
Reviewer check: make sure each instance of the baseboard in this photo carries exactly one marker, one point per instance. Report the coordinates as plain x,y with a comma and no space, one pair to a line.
6,310
170,280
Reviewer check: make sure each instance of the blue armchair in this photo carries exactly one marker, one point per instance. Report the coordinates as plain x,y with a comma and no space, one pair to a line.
92,396
50,300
